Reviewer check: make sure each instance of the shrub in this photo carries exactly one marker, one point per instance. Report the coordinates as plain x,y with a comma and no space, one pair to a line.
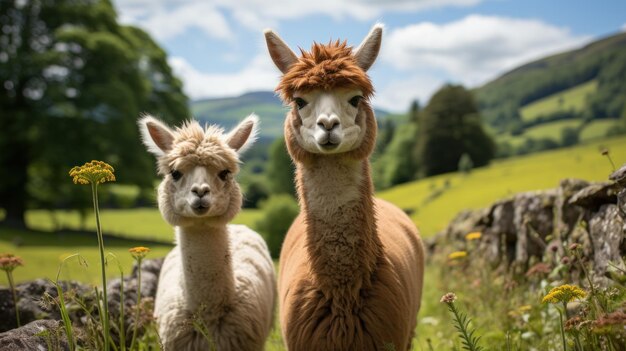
279,212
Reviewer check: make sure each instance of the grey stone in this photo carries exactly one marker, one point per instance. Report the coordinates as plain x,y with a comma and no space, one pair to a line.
568,215
619,176
534,220
607,237
36,335
501,235
29,303
594,196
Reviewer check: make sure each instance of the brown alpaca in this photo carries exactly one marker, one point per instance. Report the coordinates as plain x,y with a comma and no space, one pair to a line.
351,266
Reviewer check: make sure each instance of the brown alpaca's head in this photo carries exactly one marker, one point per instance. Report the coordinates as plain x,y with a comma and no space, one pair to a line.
329,91
198,166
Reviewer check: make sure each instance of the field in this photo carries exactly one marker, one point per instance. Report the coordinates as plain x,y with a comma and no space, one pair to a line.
433,202
572,99
597,129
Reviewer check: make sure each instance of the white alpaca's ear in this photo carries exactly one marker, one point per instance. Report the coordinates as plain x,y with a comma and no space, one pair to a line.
281,54
367,52
244,134
156,135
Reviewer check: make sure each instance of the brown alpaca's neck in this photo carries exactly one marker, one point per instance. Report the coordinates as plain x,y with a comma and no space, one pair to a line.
342,241
207,268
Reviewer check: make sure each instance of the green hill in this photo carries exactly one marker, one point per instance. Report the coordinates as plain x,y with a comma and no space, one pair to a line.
228,111
583,83
434,201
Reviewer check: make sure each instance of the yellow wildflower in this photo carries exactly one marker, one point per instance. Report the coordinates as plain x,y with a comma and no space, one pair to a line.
8,262
139,252
564,293
473,236
519,311
457,254
94,172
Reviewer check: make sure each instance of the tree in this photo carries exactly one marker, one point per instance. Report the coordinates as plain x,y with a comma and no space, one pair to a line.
386,132
449,127
570,136
465,164
414,112
74,83
279,212
280,169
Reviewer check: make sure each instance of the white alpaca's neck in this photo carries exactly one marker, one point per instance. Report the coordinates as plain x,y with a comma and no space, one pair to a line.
207,267
341,231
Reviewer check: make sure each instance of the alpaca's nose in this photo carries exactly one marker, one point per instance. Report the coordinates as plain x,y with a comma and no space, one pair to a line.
200,190
328,122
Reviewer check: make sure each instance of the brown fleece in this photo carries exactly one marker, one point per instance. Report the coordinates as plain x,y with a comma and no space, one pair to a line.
351,280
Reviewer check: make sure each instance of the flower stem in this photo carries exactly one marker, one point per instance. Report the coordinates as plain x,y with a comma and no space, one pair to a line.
136,322
105,307
12,286
561,325
461,326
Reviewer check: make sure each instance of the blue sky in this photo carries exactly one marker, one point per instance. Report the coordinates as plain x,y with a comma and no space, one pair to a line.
217,47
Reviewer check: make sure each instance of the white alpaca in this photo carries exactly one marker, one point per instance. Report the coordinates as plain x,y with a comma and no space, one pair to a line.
218,274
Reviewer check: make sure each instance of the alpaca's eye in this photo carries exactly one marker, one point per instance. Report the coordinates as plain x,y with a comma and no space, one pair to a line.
224,174
355,100
300,102
176,174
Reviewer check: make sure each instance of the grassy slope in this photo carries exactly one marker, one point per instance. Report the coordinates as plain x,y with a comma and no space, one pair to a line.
501,179
572,99
598,129
136,223
478,189
43,251
566,70
228,111
551,130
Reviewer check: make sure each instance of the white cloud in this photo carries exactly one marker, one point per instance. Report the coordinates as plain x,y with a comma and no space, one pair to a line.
470,51
165,23
168,18
623,27
259,74
475,48
397,94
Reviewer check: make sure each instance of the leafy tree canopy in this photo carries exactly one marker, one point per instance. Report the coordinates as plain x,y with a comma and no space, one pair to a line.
73,84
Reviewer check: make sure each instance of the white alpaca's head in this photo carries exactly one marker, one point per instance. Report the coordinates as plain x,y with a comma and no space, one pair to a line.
198,166
329,92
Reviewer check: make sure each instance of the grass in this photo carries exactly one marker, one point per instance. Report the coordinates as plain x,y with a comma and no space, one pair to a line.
435,201
145,223
598,129
573,99
551,130
43,252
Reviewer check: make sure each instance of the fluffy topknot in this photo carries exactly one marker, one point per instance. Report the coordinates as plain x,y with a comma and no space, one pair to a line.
325,67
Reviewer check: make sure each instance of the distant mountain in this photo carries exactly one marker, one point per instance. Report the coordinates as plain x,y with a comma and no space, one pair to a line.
230,110
600,66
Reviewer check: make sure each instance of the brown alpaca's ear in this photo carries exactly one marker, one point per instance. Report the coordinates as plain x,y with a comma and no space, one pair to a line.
155,134
281,54
244,134
367,52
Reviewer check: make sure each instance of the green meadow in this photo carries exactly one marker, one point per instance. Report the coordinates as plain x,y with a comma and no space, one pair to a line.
432,203
573,99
